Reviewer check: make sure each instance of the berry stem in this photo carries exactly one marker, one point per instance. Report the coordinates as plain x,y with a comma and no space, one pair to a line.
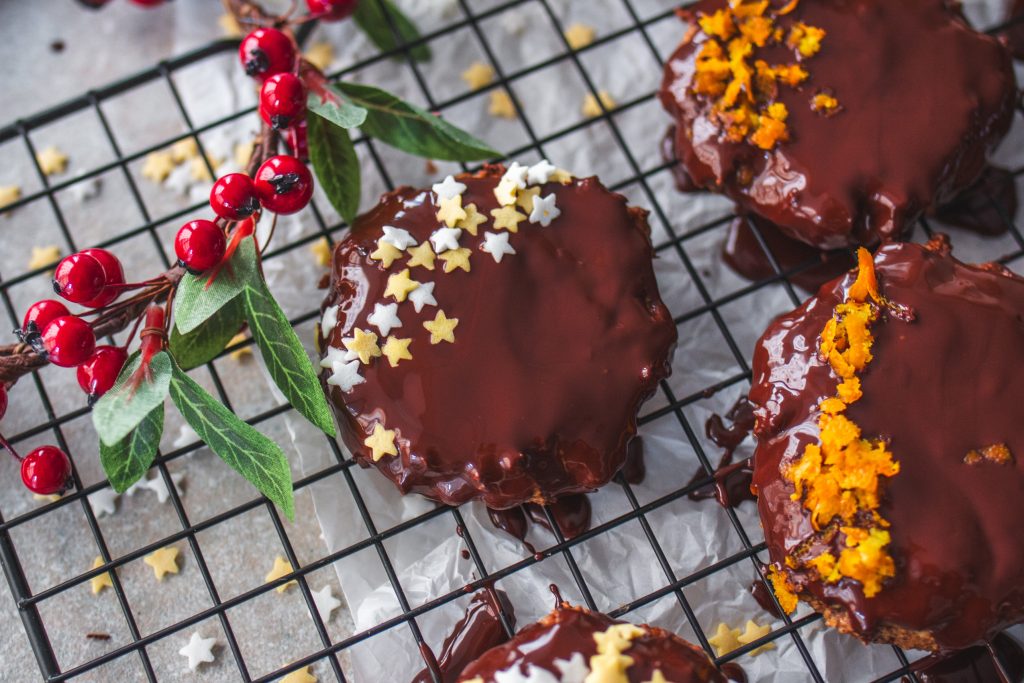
10,449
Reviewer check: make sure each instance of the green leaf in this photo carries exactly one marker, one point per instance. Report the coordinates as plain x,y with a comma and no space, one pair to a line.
126,461
286,360
194,302
202,344
412,129
336,165
370,17
254,456
336,108
122,408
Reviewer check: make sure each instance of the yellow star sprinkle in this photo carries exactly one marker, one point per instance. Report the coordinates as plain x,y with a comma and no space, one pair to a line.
243,153
451,212
658,677
472,221
163,561
396,349
506,191
508,218
422,256
102,581
754,632
526,197
240,353
591,108
229,26
52,498
158,166
320,55
282,567
183,150
199,170
300,676
579,36
456,258
10,194
725,640
386,253
44,256
478,75
560,175
441,328
51,160
381,442
363,344
399,286
321,250
501,105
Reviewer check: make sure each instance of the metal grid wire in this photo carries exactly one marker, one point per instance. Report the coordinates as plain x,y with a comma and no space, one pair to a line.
29,602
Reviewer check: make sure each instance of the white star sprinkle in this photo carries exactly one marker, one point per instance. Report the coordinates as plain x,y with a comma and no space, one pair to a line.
85,190
136,487
540,173
534,674
103,502
198,650
346,375
158,486
384,318
423,296
444,239
334,355
544,210
516,173
496,244
448,189
325,602
329,321
573,670
398,238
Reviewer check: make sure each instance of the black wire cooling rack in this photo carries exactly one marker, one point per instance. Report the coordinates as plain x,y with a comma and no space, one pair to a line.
643,16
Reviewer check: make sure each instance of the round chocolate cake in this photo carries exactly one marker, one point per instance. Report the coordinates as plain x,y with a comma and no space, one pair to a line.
493,338
889,443
573,645
840,121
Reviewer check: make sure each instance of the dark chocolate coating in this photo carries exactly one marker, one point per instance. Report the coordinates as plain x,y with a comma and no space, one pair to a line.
924,100
557,347
569,630
949,381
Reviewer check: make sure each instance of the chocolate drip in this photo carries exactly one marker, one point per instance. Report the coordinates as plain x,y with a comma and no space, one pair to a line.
570,513
1014,34
986,206
759,589
684,183
734,672
1002,662
634,470
730,483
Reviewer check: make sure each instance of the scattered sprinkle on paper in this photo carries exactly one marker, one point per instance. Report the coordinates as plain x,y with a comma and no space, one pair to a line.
98,583
158,166
184,149
229,26
103,502
591,108
243,153
501,105
320,55
199,650
243,352
282,567
300,676
163,561
478,75
44,256
51,160
321,250
579,36
754,632
9,194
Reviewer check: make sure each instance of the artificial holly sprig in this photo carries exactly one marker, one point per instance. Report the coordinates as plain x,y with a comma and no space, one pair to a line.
186,316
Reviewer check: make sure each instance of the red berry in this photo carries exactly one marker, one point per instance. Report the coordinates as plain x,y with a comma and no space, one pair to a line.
332,10
284,184
97,375
200,245
79,278
41,313
3,401
113,274
233,197
68,341
297,139
267,51
282,100
46,470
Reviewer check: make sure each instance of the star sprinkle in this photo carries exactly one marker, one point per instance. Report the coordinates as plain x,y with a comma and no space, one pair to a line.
501,105
496,244
158,166
507,218
422,256
399,285
320,55
450,211
544,210
396,350
321,251
526,197
199,170
43,257
517,173
752,632
658,677
579,36
384,318
561,176
9,194
505,192
242,352
441,328
199,650
363,344
591,108
325,602
87,189
300,676
725,640
449,188
381,442
444,239
183,150
401,239
98,583
478,75
472,221
345,375
282,567
52,498
243,153
540,172
158,486
163,561
386,253
51,160
456,258
574,669
423,296
103,502
229,26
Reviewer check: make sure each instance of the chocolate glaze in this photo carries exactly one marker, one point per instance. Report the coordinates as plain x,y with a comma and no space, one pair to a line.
1003,661
1015,32
556,348
635,470
759,589
730,483
947,381
925,99
571,513
986,206
569,630
476,632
